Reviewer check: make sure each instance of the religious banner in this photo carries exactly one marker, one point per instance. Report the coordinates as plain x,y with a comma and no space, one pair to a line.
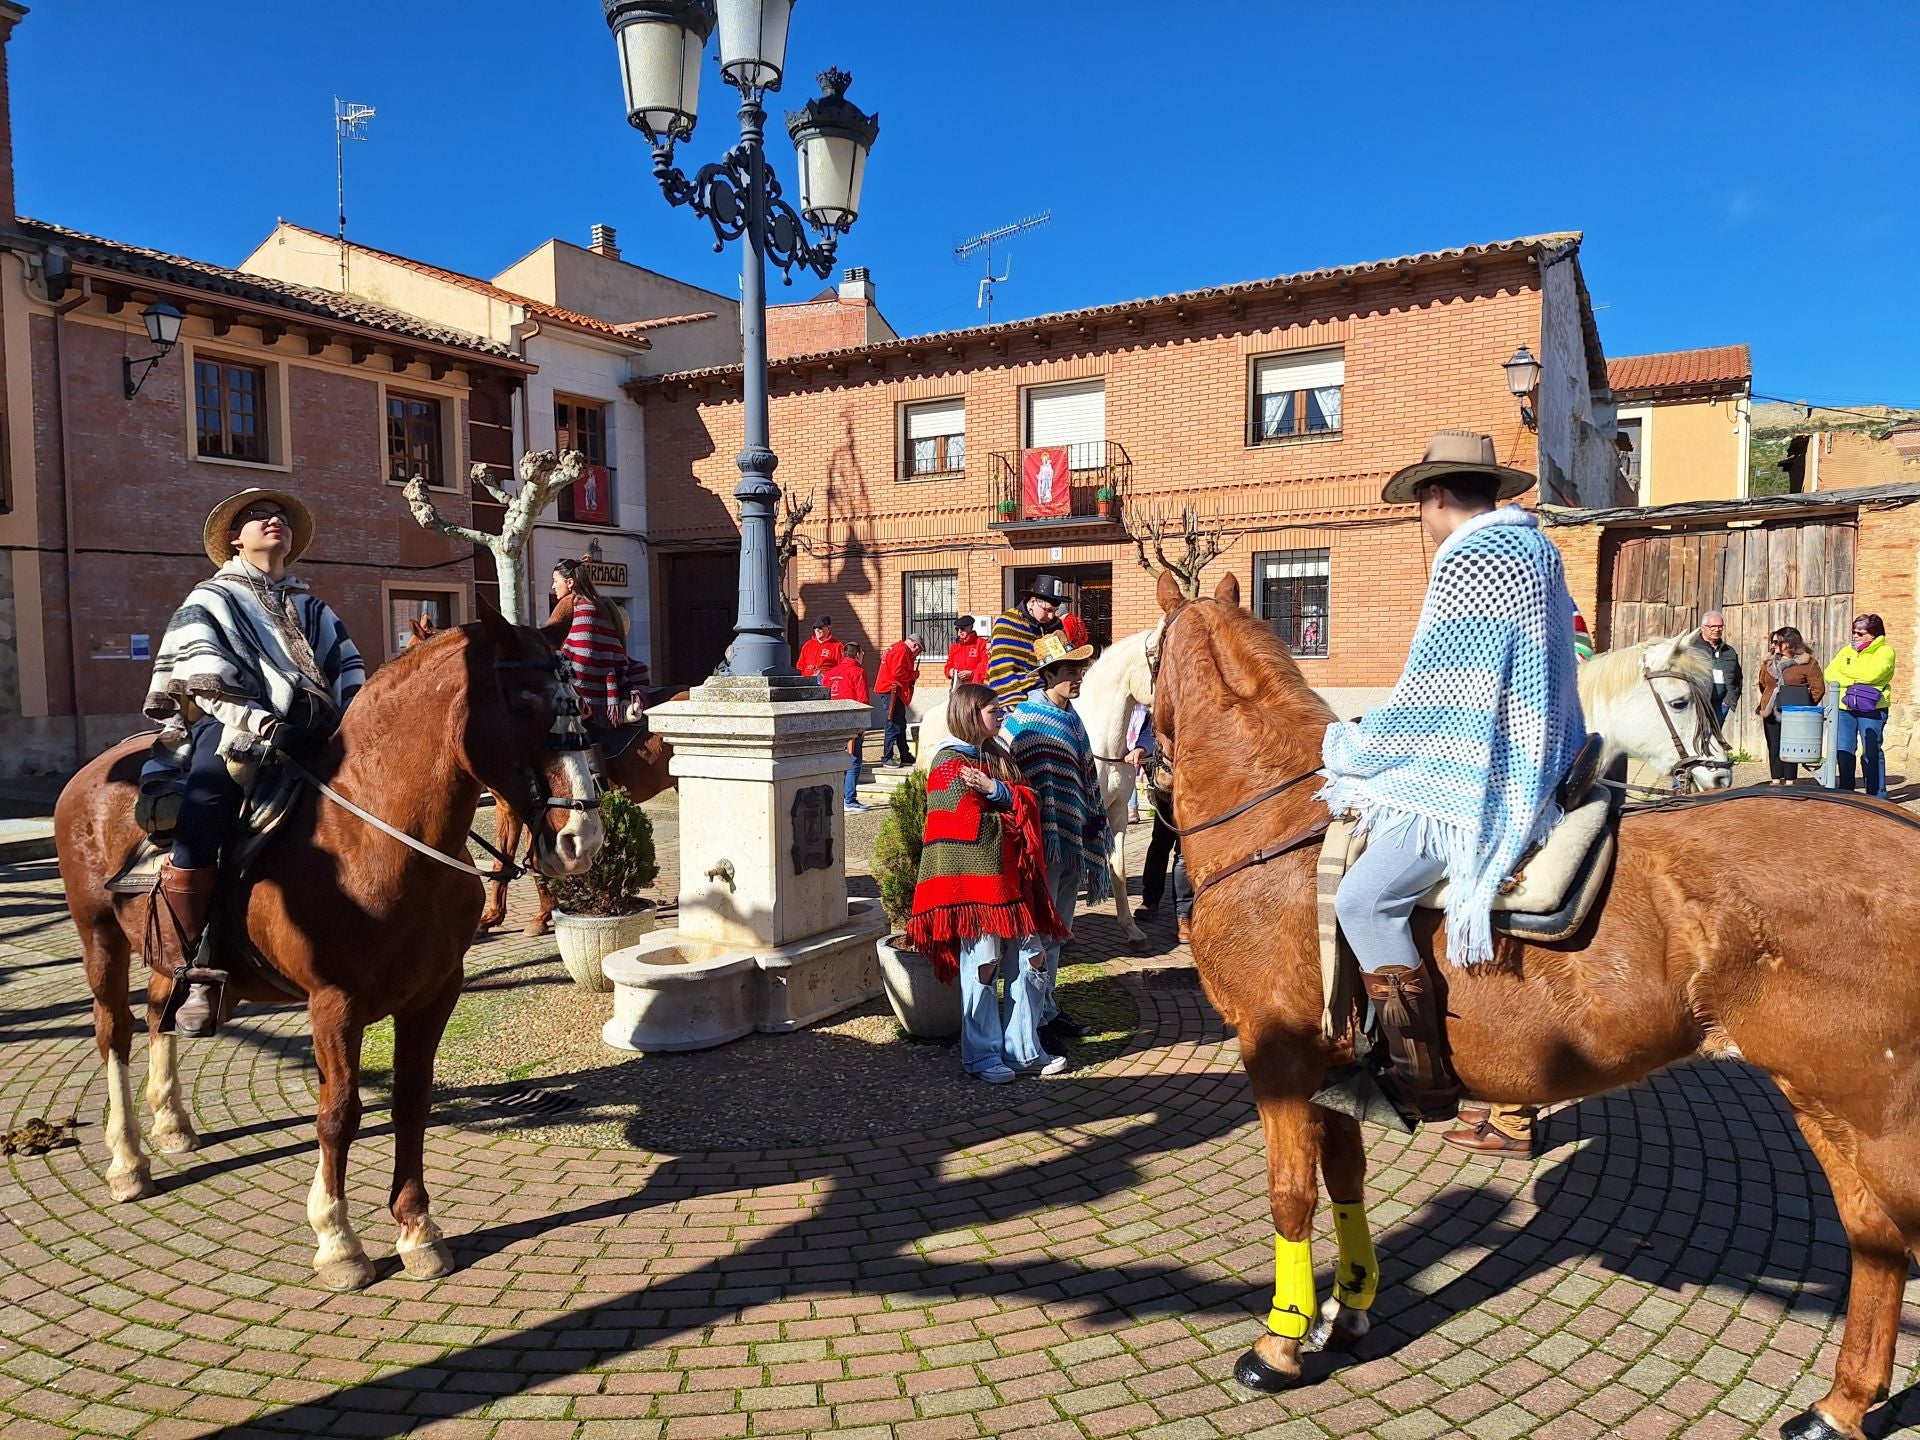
593,496
1045,486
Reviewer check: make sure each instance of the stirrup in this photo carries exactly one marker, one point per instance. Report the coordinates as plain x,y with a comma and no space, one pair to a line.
195,1005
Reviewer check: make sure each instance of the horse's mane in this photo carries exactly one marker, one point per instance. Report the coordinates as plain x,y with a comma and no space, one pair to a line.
1614,674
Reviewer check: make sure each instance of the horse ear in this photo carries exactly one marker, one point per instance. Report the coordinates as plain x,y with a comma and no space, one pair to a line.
1167,592
1227,592
1681,642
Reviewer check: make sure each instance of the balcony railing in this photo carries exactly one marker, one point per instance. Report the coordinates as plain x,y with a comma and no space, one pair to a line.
1092,466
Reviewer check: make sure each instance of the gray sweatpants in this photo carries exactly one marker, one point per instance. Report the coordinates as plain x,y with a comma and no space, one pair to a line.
1377,896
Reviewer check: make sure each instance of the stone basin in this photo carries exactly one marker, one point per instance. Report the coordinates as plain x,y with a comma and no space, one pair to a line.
671,993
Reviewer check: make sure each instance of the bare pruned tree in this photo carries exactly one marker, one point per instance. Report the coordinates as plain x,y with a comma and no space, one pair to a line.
544,475
786,537
1152,529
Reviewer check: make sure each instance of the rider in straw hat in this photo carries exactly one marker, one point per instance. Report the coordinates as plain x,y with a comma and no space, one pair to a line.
251,662
1454,777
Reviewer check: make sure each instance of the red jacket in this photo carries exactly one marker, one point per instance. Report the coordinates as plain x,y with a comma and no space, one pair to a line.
899,672
816,655
967,660
1074,628
845,680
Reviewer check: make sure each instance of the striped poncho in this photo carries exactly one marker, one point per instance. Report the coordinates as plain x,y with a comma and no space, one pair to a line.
1050,746
1481,726
981,871
242,647
597,653
1010,657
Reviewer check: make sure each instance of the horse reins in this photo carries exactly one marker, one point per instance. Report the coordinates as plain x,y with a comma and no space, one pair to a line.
1687,759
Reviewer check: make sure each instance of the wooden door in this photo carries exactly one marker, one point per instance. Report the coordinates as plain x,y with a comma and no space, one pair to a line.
1793,572
701,589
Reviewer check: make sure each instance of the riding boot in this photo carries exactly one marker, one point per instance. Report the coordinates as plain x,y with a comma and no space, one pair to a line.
1416,1078
186,899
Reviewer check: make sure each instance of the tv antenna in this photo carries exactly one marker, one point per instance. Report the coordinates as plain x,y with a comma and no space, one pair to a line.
974,244
349,123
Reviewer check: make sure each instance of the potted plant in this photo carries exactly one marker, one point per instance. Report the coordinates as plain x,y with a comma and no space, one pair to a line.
1103,500
924,1005
601,911
1006,508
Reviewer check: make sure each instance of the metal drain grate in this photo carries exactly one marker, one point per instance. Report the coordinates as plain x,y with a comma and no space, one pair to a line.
526,1100
1172,978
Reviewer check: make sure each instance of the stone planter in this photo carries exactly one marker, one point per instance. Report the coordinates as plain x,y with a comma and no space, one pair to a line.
924,1006
585,939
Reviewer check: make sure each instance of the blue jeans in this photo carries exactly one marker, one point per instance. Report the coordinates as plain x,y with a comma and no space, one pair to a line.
853,769
1063,883
985,1039
894,740
1377,896
1861,733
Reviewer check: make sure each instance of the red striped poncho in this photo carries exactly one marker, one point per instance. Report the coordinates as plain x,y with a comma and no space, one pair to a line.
597,652
981,871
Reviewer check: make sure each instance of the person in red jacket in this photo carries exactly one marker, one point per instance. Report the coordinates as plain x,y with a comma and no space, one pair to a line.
899,673
821,649
967,656
846,679
1073,627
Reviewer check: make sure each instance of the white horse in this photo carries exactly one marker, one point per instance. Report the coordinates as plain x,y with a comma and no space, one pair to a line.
1116,682
1653,702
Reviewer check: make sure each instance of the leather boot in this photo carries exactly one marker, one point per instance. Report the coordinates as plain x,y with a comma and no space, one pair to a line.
1417,1078
186,898
1495,1129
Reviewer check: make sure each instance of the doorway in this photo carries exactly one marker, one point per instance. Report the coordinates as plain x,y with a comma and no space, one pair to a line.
701,588
1091,587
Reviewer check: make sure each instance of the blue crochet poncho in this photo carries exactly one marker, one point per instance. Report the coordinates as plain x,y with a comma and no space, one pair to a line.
1481,726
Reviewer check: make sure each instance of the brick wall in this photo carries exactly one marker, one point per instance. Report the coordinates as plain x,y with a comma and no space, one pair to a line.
815,326
1418,358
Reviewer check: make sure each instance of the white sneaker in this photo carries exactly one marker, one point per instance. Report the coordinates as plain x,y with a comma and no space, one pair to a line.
998,1075
856,808
1051,1065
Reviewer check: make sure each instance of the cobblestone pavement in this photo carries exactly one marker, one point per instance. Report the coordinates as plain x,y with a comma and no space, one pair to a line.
1087,1263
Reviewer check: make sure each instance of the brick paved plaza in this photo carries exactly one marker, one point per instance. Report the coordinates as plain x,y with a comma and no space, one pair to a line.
1088,1263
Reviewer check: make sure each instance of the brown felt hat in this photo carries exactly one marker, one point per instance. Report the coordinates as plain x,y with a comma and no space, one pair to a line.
220,523
1457,452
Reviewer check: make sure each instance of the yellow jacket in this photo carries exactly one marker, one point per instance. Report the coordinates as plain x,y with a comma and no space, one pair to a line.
1871,666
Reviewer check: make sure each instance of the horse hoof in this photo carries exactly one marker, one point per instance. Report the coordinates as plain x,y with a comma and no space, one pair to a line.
534,927
344,1275
1814,1426
1256,1374
132,1185
175,1142
431,1261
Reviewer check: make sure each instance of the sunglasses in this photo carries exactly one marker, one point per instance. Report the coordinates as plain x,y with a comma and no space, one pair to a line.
1862,630
247,517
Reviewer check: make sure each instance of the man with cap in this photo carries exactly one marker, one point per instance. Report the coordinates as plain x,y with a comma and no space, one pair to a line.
250,662
1454,777
1010,648
967,655
821,649
899,674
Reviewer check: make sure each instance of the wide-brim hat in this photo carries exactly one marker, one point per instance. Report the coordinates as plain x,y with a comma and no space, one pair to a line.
1047,587
1457,452
220,523
1053,648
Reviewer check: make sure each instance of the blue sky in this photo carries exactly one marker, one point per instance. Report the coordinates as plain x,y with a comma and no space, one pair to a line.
1743,171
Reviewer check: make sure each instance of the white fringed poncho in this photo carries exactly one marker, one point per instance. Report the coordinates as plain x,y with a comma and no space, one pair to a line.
1481,726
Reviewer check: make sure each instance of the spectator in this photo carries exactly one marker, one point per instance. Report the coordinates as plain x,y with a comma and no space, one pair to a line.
821,649
983,890
846,679
1010,654
967,656
899,673
1050,746
1789,676
1864,672
1072,626
1164,844
1724,659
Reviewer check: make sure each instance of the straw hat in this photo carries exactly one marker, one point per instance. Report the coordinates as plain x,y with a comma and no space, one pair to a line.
1053,648
1457,452
220,523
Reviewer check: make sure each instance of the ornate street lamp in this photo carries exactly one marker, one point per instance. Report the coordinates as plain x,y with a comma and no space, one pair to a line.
163,322
660,44
1523,379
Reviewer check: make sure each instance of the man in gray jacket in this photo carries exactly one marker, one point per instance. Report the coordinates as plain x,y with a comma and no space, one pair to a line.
1724,659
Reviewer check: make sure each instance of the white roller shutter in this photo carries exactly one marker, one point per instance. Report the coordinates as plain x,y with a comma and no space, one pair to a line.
937,417
1302,370
1073,414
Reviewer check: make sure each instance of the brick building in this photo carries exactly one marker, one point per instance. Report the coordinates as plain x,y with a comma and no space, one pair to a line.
838,318
1277,407
1684,416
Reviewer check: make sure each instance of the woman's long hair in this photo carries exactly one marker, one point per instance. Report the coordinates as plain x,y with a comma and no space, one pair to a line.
1795,642
964,704
583,584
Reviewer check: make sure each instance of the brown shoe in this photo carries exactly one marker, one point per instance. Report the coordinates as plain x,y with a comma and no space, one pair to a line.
1506,1130
1182,931
1417,1078
183,903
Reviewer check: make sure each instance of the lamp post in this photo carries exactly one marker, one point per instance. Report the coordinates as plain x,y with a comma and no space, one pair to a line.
661,43
1523,379
163,322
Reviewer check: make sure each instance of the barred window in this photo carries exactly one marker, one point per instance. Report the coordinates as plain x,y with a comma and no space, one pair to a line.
1290,594
933,608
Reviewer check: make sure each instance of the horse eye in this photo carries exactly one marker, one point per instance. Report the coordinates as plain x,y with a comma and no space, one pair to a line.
1679,704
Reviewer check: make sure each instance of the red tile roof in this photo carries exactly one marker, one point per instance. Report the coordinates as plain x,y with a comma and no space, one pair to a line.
555,313
1718,368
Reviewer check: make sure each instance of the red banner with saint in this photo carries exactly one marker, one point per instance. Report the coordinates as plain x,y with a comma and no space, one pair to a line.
1045,487
593,496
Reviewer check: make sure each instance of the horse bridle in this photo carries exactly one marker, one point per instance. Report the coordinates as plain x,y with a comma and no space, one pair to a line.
567,734
1687,758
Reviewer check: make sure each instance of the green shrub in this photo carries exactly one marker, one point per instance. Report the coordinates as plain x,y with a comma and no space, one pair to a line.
621,871
896,850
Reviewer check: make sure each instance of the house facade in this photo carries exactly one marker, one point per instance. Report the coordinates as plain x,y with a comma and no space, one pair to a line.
1684,418
1276,409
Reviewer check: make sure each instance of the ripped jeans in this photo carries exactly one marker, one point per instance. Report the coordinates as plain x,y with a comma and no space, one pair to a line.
986,1040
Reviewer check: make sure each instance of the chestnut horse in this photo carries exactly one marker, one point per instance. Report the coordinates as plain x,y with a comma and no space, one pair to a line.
359,923
1696,949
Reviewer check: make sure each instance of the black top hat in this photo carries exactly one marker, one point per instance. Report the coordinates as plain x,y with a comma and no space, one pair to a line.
1047,587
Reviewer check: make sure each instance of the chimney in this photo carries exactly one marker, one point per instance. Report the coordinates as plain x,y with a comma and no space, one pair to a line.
10,15
856,284
603,241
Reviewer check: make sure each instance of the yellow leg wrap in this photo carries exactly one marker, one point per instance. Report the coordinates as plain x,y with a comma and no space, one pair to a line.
1357,1278
1293,1299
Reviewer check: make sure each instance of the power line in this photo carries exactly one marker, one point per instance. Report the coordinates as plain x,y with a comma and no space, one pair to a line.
1810,406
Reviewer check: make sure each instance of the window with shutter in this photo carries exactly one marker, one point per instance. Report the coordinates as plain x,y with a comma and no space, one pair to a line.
1072,415
934,434
1296,394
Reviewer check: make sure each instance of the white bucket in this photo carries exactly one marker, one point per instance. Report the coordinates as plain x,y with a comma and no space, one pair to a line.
1801,728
